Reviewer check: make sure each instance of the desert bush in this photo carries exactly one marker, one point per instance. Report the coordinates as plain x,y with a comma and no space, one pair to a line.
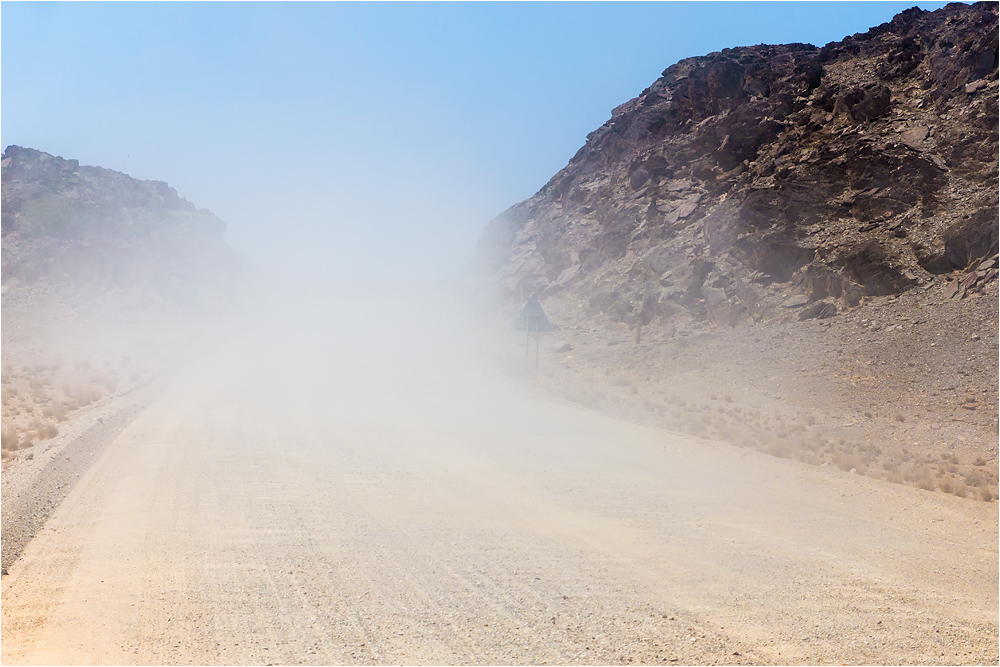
44,430
8,437
55,411
85,395
27,439
697,428
980,461
846,462
974,478
986,495
925,482
779,449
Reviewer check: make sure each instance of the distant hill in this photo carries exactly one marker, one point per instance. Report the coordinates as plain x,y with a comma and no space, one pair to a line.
85,231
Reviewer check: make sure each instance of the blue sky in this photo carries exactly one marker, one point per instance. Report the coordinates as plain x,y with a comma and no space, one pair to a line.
358,138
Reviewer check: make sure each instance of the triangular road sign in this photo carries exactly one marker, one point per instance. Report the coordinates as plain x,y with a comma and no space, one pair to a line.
532,317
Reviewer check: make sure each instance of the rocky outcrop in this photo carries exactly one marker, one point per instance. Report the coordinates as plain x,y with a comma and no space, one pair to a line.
744,177
89,230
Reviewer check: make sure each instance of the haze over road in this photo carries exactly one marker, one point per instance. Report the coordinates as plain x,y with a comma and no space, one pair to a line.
347,487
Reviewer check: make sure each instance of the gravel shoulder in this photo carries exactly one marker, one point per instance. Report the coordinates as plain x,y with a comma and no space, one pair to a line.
35,484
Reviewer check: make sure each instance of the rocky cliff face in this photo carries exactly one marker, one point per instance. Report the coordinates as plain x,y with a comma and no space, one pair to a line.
744,179
88,231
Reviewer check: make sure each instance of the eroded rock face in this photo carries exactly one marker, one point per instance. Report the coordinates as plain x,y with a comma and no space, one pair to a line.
90,230
741,177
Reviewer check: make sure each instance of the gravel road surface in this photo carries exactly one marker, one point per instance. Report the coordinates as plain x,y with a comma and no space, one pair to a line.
315,499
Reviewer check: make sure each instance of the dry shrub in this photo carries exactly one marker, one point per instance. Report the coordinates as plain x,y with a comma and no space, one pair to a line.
847,461
726,433
900,417
959,489
697,428
974,478
56,412
779,449
85,395
925,482
8,437
986,495
808,457
946,486
27,440
980,461
44,430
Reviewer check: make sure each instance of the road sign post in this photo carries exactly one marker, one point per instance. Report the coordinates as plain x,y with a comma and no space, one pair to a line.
532,317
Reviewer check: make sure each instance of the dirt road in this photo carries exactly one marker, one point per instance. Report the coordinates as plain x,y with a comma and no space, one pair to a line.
296,501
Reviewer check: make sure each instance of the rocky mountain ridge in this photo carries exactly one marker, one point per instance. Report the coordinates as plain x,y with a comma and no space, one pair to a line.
768,175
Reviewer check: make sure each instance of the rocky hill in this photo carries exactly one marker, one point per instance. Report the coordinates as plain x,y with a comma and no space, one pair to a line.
88,231
108,281
791,248
743,177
